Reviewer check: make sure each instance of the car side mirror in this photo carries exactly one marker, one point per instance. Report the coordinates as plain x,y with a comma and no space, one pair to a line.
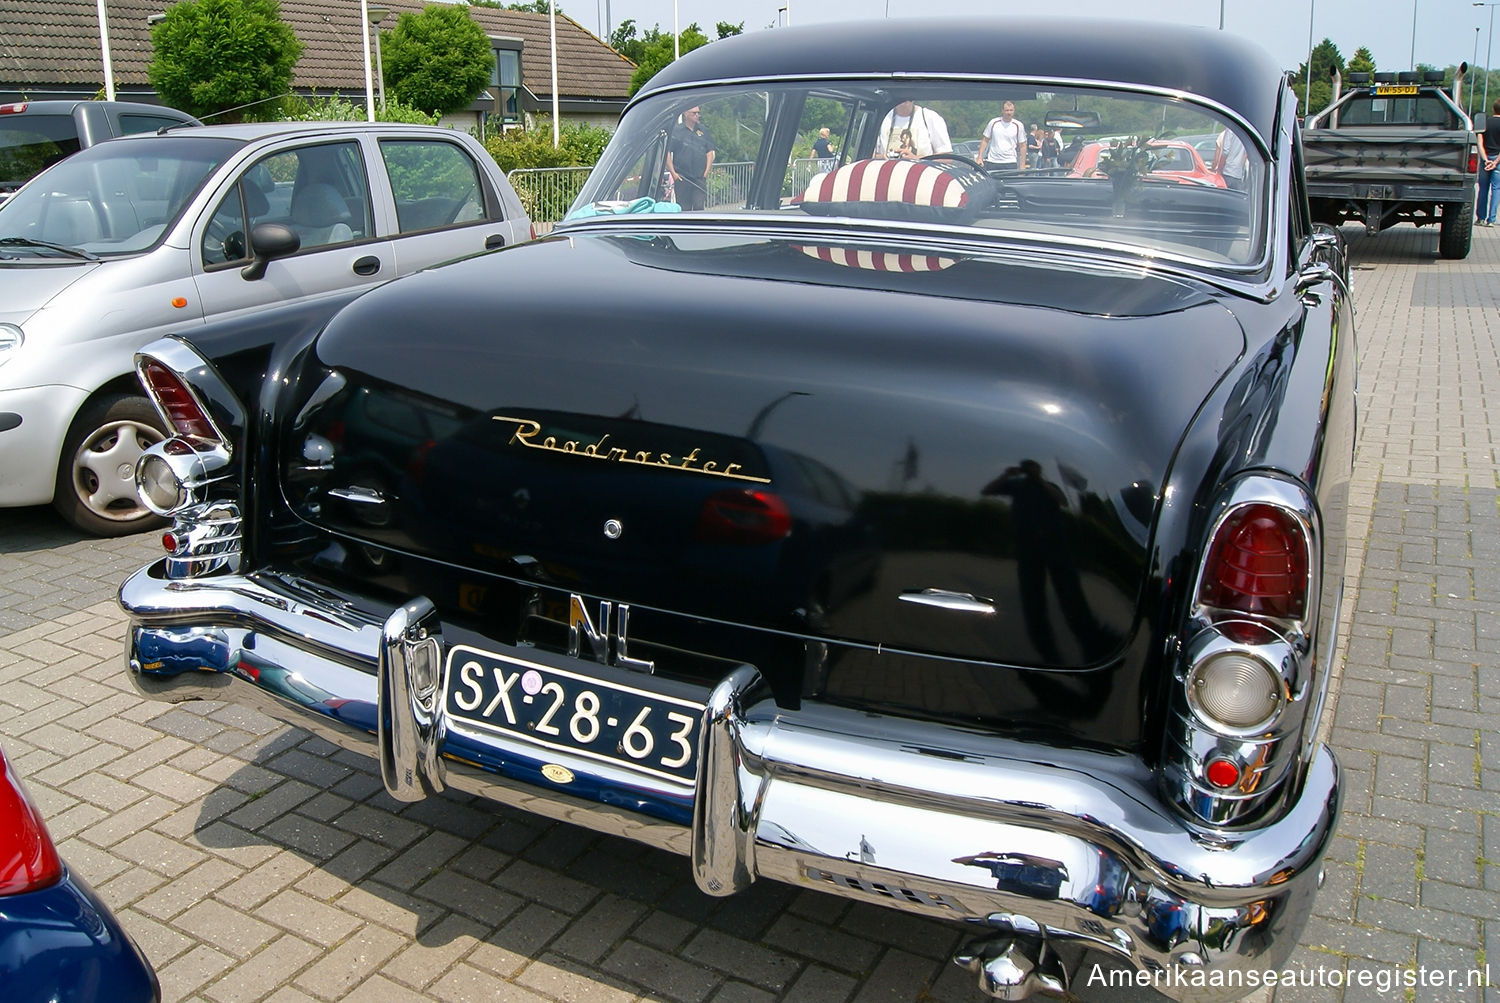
269,241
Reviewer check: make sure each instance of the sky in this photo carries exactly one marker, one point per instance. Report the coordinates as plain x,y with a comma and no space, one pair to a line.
1444,28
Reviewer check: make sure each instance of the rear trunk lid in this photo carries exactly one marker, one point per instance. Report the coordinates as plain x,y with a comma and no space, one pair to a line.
885,454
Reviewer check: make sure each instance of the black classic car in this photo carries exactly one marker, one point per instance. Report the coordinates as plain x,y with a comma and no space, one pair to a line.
960,539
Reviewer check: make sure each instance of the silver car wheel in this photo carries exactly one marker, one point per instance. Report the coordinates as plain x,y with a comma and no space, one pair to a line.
104,469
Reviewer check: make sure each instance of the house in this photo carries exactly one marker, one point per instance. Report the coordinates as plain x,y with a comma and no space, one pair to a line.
51,49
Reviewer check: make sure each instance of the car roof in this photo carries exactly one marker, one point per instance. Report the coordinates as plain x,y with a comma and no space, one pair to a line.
1220,67
251,131
57,106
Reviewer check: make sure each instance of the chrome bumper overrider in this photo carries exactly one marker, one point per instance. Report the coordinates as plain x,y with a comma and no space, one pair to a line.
940,821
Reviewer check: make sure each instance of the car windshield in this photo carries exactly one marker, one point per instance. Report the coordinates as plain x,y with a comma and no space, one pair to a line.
1103,167
115,198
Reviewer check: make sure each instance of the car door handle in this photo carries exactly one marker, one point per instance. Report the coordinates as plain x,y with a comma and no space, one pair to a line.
368,265
493,241
961,602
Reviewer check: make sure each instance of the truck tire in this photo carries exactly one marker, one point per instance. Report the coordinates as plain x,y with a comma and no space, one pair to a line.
96,473
1456,231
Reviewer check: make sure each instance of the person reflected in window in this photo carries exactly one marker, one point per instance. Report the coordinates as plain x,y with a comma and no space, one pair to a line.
690,156
928,133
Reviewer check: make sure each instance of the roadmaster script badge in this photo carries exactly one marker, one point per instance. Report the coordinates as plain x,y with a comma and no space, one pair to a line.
528,433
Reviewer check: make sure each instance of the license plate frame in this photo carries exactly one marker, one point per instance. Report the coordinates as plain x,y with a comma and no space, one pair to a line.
1395,90
535,700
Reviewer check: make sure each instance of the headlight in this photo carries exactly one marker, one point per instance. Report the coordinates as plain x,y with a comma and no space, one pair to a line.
11,338
1235,690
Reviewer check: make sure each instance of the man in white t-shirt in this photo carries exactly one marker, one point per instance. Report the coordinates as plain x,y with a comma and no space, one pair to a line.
1003,145
911,131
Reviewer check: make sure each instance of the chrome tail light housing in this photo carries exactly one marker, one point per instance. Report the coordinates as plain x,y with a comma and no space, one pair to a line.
192,477
1248,673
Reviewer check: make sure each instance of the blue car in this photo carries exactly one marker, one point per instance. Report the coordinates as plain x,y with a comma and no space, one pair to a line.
58,942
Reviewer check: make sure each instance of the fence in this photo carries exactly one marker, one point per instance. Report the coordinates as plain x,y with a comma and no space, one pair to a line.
548,192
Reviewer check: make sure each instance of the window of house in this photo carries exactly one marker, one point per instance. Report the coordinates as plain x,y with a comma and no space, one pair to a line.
505,84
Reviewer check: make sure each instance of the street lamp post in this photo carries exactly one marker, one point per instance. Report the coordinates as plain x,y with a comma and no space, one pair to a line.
1312,7
1488,45
1472,64
1413,34
378,14
364,32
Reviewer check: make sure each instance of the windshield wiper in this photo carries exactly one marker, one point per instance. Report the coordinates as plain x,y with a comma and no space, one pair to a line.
71,252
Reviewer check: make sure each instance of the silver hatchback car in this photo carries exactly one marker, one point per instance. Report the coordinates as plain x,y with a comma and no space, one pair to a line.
155,234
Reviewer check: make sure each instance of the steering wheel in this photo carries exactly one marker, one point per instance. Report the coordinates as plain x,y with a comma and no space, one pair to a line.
231,243
954,156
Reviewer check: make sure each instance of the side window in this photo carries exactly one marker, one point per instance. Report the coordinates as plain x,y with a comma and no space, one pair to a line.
436,184
821,143
225,239
330,195
132,124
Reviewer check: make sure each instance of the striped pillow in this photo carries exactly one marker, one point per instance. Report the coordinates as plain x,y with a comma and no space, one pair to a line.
916,190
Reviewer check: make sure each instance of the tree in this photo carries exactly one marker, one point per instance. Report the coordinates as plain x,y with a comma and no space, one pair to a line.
658,53
211,58
438,60
725,29
1363,61
1325,56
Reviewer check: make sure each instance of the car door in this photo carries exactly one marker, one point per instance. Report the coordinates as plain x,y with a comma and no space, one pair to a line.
321,191
445,203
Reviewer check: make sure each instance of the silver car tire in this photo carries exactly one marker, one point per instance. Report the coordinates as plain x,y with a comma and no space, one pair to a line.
96,472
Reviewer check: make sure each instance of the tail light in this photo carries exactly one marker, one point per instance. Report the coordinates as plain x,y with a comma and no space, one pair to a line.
1248,667
1258,564
177,404
1473,161
28,860
744,517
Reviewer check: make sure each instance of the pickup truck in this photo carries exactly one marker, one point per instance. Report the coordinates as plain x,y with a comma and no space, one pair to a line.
1394,149
37,134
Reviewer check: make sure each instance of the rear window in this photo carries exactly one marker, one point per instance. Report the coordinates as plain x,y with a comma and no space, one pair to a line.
1423,109
31,143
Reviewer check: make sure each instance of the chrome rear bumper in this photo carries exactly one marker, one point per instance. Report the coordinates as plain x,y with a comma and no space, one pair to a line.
934,820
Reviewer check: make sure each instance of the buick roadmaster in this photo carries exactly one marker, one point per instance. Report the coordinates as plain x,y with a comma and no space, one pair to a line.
963,541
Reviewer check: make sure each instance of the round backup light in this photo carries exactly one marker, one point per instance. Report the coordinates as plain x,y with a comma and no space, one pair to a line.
160,487
1234,690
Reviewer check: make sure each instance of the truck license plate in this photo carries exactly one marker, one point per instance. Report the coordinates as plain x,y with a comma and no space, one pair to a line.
631,726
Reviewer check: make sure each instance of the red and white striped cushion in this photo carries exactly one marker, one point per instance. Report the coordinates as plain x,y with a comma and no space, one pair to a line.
879,261
944,191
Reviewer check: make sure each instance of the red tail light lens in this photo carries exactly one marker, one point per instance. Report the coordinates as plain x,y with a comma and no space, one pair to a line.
181,406
28,860
1257,564
1474,162
745,517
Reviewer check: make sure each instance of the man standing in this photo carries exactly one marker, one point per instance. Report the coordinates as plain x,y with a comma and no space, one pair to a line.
1003,145
909,131
1230,160
1489,169
690,156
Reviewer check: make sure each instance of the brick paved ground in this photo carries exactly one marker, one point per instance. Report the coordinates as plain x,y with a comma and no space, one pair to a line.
253,862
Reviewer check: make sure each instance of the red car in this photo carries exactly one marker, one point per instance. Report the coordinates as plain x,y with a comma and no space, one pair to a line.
1177,160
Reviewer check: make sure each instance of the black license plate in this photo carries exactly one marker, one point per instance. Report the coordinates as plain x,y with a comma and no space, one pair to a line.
631,726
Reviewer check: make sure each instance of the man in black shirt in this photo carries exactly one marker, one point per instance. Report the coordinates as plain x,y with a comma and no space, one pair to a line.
1489,169
690,156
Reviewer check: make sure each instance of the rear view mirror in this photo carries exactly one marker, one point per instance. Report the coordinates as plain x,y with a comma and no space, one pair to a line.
1071,120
